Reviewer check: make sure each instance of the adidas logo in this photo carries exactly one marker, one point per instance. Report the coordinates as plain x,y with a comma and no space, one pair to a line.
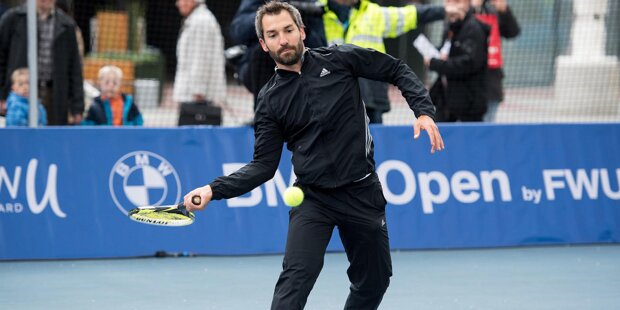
324,72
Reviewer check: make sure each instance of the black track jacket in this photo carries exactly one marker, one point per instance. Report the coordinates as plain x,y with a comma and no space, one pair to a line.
320,115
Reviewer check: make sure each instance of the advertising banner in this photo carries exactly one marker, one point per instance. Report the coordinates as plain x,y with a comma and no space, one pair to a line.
65,192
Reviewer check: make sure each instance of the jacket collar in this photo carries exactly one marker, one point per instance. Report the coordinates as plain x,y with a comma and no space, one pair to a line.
61,20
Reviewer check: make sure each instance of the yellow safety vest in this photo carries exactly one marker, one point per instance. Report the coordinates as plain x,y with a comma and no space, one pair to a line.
369,24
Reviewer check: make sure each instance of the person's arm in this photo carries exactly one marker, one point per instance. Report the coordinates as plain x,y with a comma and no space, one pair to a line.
430,13
93,114
374,65
17,115
400,20
137,121
76,81
134,117
508,26
396,20
242,30
267,151
470,61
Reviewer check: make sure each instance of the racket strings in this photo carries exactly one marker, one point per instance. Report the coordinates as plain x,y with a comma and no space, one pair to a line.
164,215
175,216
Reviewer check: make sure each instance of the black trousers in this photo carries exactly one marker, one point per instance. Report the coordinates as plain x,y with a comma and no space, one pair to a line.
358,210
46,93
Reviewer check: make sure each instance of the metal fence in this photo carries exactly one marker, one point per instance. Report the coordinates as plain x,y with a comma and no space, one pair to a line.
563,67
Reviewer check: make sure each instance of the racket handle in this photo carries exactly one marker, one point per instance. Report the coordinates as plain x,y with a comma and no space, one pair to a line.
196,200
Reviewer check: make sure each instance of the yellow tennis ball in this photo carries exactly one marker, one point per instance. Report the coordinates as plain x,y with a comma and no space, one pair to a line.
293,196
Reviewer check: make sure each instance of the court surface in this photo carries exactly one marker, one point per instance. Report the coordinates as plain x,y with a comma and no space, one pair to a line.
575,277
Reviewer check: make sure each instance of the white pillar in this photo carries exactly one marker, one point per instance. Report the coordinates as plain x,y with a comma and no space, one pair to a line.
588,33
33,73
587,82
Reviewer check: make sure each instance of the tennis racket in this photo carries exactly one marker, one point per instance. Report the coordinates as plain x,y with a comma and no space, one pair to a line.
170,215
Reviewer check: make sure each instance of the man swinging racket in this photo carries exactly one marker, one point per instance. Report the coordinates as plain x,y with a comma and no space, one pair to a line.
313,104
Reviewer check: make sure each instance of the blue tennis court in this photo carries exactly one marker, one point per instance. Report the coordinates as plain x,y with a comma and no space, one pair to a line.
571,277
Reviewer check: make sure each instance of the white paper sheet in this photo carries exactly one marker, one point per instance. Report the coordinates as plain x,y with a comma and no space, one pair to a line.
425,47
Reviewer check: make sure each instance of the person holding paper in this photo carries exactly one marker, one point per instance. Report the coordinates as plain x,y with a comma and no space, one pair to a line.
459,92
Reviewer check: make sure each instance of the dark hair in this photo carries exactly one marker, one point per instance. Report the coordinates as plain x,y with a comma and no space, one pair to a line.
274,8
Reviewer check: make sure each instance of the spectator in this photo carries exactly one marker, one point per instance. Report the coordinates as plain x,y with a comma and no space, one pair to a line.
459,91
17,102
256,67
365,24
497,14
90,91
112,107
200,74
59,67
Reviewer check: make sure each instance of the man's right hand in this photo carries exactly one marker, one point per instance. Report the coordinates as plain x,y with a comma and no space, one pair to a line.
500,5
205,195
2,107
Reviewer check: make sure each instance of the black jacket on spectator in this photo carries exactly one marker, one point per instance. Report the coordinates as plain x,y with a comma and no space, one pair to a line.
67,68
464,71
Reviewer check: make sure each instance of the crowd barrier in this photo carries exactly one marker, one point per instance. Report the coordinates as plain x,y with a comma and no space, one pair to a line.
64,193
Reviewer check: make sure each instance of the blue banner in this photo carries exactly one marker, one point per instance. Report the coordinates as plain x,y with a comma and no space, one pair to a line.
65,192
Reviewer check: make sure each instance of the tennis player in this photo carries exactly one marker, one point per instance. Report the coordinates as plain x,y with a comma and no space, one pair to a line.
313,104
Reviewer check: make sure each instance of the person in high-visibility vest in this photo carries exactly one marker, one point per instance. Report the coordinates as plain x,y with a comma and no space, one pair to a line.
365,24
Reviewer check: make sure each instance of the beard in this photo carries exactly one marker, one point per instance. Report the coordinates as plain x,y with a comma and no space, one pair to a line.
288,59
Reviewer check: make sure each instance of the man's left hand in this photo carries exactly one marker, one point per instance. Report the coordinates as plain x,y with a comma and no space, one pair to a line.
76,119
425,122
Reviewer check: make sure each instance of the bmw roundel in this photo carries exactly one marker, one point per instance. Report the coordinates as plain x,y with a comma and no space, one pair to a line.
143,178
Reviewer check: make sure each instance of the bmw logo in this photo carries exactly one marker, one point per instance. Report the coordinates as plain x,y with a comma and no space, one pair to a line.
143,178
